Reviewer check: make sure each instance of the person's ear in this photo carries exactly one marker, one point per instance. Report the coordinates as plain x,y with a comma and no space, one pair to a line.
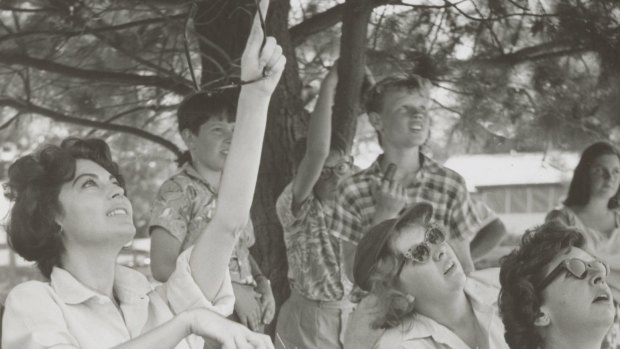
375,120
410,298
542,319
188,138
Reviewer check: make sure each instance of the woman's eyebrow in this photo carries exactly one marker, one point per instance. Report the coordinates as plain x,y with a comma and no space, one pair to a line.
84,175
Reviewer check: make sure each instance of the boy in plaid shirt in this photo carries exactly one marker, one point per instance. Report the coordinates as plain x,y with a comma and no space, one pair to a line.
398,110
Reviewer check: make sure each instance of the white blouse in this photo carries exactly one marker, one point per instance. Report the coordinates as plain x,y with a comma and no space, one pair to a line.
64,313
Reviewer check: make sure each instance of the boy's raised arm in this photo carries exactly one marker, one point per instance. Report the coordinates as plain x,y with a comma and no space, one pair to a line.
211,254
317,140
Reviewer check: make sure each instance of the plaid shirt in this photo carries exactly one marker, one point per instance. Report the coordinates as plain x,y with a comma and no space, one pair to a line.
314,256
185,205
441,187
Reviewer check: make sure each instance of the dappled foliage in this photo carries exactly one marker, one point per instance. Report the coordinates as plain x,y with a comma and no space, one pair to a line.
509,75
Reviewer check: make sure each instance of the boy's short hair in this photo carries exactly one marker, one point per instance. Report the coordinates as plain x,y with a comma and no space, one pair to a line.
376,94
198,108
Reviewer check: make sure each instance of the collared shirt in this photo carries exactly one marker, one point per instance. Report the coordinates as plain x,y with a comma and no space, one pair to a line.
185,205
441,187
314,256
422,332
66,313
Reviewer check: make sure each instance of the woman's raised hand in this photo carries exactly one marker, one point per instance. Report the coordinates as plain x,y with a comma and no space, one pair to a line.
262,64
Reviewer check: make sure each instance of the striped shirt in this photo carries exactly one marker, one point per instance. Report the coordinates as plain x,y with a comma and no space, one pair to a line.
441,187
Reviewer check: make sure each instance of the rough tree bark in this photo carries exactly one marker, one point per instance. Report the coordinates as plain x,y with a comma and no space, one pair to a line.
285,125
356,16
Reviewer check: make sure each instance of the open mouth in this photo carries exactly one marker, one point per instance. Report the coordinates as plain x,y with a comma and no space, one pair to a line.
602,298
416,127
449,268
117,212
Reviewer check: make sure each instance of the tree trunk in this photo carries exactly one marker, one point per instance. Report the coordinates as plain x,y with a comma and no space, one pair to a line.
285,125
350,72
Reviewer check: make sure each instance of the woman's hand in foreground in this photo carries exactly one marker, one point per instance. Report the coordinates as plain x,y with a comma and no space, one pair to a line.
229,334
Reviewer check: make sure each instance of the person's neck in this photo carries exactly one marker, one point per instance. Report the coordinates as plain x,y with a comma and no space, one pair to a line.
93,267
456,313
208,174
596,206
407,160
573,340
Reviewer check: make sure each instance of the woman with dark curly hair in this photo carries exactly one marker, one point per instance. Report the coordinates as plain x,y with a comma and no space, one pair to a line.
71,216
419,295
554,294
592,207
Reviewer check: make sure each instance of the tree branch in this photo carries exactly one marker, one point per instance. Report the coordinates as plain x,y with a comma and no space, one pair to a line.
321,21
19,9
27,107
87,30
174,85
328,18
538,52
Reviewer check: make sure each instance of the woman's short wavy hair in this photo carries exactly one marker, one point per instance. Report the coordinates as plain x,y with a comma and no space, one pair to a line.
521,270
395,305
579,190
34,184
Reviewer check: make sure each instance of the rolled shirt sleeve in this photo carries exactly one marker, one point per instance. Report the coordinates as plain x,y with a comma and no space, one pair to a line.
170,210
284,208
183,293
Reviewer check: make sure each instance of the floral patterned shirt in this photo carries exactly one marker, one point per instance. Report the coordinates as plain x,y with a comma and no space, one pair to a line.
185,205
314,256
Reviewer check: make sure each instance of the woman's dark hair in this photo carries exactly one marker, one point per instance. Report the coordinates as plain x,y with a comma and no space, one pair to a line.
198,108
579,190
521,270
34,184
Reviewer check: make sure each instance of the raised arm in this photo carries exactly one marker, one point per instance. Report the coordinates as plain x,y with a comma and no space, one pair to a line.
211,254
317,141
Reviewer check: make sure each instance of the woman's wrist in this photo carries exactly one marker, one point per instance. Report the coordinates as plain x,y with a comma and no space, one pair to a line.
186,320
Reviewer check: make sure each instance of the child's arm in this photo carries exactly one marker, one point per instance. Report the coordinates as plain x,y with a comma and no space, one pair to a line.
209,260
263,286
165,250
317,140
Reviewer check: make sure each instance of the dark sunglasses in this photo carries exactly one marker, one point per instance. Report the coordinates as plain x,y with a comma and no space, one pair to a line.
421,252
190,16
575,267
341,168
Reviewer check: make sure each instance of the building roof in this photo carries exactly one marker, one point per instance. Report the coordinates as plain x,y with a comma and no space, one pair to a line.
508,169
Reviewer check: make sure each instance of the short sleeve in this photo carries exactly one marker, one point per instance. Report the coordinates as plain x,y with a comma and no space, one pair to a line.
171,210
467,215
347,220
33,320
182,292
561,216
284,208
